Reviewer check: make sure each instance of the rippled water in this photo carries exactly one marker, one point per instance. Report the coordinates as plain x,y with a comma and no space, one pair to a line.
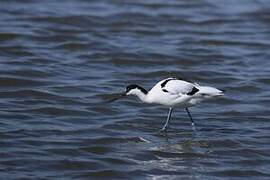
59,59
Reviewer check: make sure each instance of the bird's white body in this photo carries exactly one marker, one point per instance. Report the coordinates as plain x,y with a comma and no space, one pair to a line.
176,92
173,92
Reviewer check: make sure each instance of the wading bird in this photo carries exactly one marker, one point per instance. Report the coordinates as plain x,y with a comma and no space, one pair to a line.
173,92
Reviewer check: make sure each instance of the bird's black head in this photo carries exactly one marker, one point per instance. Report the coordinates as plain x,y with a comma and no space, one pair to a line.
135,86
131,89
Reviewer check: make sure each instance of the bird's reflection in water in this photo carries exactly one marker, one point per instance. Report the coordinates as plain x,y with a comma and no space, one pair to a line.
176,153
189,143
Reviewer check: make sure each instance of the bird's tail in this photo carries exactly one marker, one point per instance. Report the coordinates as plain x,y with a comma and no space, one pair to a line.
208,91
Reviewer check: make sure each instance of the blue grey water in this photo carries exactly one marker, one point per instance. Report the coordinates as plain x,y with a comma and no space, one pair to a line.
60,59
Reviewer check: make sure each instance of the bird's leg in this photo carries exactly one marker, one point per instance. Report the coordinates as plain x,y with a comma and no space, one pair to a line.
192,122
168,120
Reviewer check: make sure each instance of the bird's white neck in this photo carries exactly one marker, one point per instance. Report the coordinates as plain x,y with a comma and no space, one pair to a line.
143,96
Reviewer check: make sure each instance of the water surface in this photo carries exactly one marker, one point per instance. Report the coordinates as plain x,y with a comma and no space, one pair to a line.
58,60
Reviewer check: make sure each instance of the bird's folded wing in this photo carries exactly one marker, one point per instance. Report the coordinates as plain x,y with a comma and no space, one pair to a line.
179,87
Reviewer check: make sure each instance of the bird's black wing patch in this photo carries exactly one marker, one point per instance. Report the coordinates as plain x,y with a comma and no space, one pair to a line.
165,90
175,78
193,91
166,81
184,79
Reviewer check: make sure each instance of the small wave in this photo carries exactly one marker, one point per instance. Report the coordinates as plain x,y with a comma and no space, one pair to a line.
19,82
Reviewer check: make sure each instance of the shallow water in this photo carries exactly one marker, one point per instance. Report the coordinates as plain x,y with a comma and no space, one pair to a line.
60,59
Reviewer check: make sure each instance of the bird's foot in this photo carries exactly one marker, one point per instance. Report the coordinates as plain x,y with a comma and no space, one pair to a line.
164,129
193,126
